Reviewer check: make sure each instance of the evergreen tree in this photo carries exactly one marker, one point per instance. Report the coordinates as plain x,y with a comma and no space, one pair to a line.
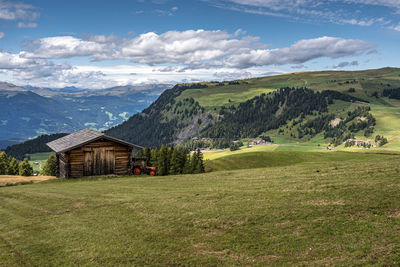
49,168
147,154
25,169
187,167
200,162
174,163
163,161
3,163
13,167
169,157
154,157
194,161
182,159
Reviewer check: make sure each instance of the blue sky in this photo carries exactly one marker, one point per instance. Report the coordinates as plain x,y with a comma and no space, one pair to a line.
97,44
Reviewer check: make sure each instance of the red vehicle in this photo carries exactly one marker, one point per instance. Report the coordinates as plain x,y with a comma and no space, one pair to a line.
140,166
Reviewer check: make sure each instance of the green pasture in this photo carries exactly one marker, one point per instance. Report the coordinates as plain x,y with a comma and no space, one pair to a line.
321,209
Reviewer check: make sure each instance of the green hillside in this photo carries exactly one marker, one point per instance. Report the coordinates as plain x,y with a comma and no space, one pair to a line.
249,108
342,209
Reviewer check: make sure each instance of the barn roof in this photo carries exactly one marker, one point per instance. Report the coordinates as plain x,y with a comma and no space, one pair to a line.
81,138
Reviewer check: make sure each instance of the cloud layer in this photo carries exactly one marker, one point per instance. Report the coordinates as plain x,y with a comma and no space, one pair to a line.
193,49
355,12
176,55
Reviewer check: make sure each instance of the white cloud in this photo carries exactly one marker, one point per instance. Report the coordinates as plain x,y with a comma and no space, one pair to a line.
17,11
27,25
170,57
2,35
65,47
299,52
194,49
396,28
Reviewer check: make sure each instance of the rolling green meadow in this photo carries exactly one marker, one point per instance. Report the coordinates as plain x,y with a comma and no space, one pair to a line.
286,208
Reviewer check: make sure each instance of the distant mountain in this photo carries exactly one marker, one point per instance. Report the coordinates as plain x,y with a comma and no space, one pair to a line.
310,107
29,112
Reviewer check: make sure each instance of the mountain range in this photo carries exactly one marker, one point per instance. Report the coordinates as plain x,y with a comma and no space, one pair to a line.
312,108
29,112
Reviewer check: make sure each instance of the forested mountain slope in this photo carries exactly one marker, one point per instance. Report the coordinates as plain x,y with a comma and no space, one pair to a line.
248,108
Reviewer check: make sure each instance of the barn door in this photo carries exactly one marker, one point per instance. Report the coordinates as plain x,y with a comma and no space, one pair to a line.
109,161
102,161
88,164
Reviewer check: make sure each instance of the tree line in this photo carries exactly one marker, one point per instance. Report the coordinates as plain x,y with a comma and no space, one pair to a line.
173,160
11,166
32,146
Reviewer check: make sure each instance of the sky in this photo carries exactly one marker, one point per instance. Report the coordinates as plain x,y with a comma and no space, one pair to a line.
97,44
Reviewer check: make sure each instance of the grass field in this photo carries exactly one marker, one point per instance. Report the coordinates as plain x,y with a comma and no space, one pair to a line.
342,209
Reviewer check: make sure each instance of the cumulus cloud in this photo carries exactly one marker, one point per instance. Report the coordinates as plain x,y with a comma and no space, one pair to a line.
300,52
17,11
168,57
65,47
194,49
2,35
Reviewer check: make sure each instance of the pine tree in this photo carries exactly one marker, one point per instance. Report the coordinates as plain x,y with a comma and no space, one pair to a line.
13,167
163,161
25,169
147,154
169,157
154,157
49,168
187,167
194,161
200,162
3,163
182,159
174,163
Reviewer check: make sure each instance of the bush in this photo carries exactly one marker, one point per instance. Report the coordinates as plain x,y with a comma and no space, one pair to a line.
49,168
13,167
25,169
3,163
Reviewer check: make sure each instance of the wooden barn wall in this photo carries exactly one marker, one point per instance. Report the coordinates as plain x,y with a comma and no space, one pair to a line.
63,166
122,155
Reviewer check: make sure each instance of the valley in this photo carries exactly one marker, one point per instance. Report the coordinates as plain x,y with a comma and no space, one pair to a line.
29,113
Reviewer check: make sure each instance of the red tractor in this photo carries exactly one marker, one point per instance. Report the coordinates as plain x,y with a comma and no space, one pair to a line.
140,166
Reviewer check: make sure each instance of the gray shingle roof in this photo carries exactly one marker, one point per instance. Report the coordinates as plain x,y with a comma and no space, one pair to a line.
80,138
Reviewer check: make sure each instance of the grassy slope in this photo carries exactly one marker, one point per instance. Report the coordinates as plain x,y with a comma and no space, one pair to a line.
341,211
387,112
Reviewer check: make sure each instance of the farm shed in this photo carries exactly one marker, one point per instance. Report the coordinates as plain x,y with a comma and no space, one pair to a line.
91,153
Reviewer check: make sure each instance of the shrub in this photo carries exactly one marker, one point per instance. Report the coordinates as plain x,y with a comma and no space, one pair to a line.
25,169
49,168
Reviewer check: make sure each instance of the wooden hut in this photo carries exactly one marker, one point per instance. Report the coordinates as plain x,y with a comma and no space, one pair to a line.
91,153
